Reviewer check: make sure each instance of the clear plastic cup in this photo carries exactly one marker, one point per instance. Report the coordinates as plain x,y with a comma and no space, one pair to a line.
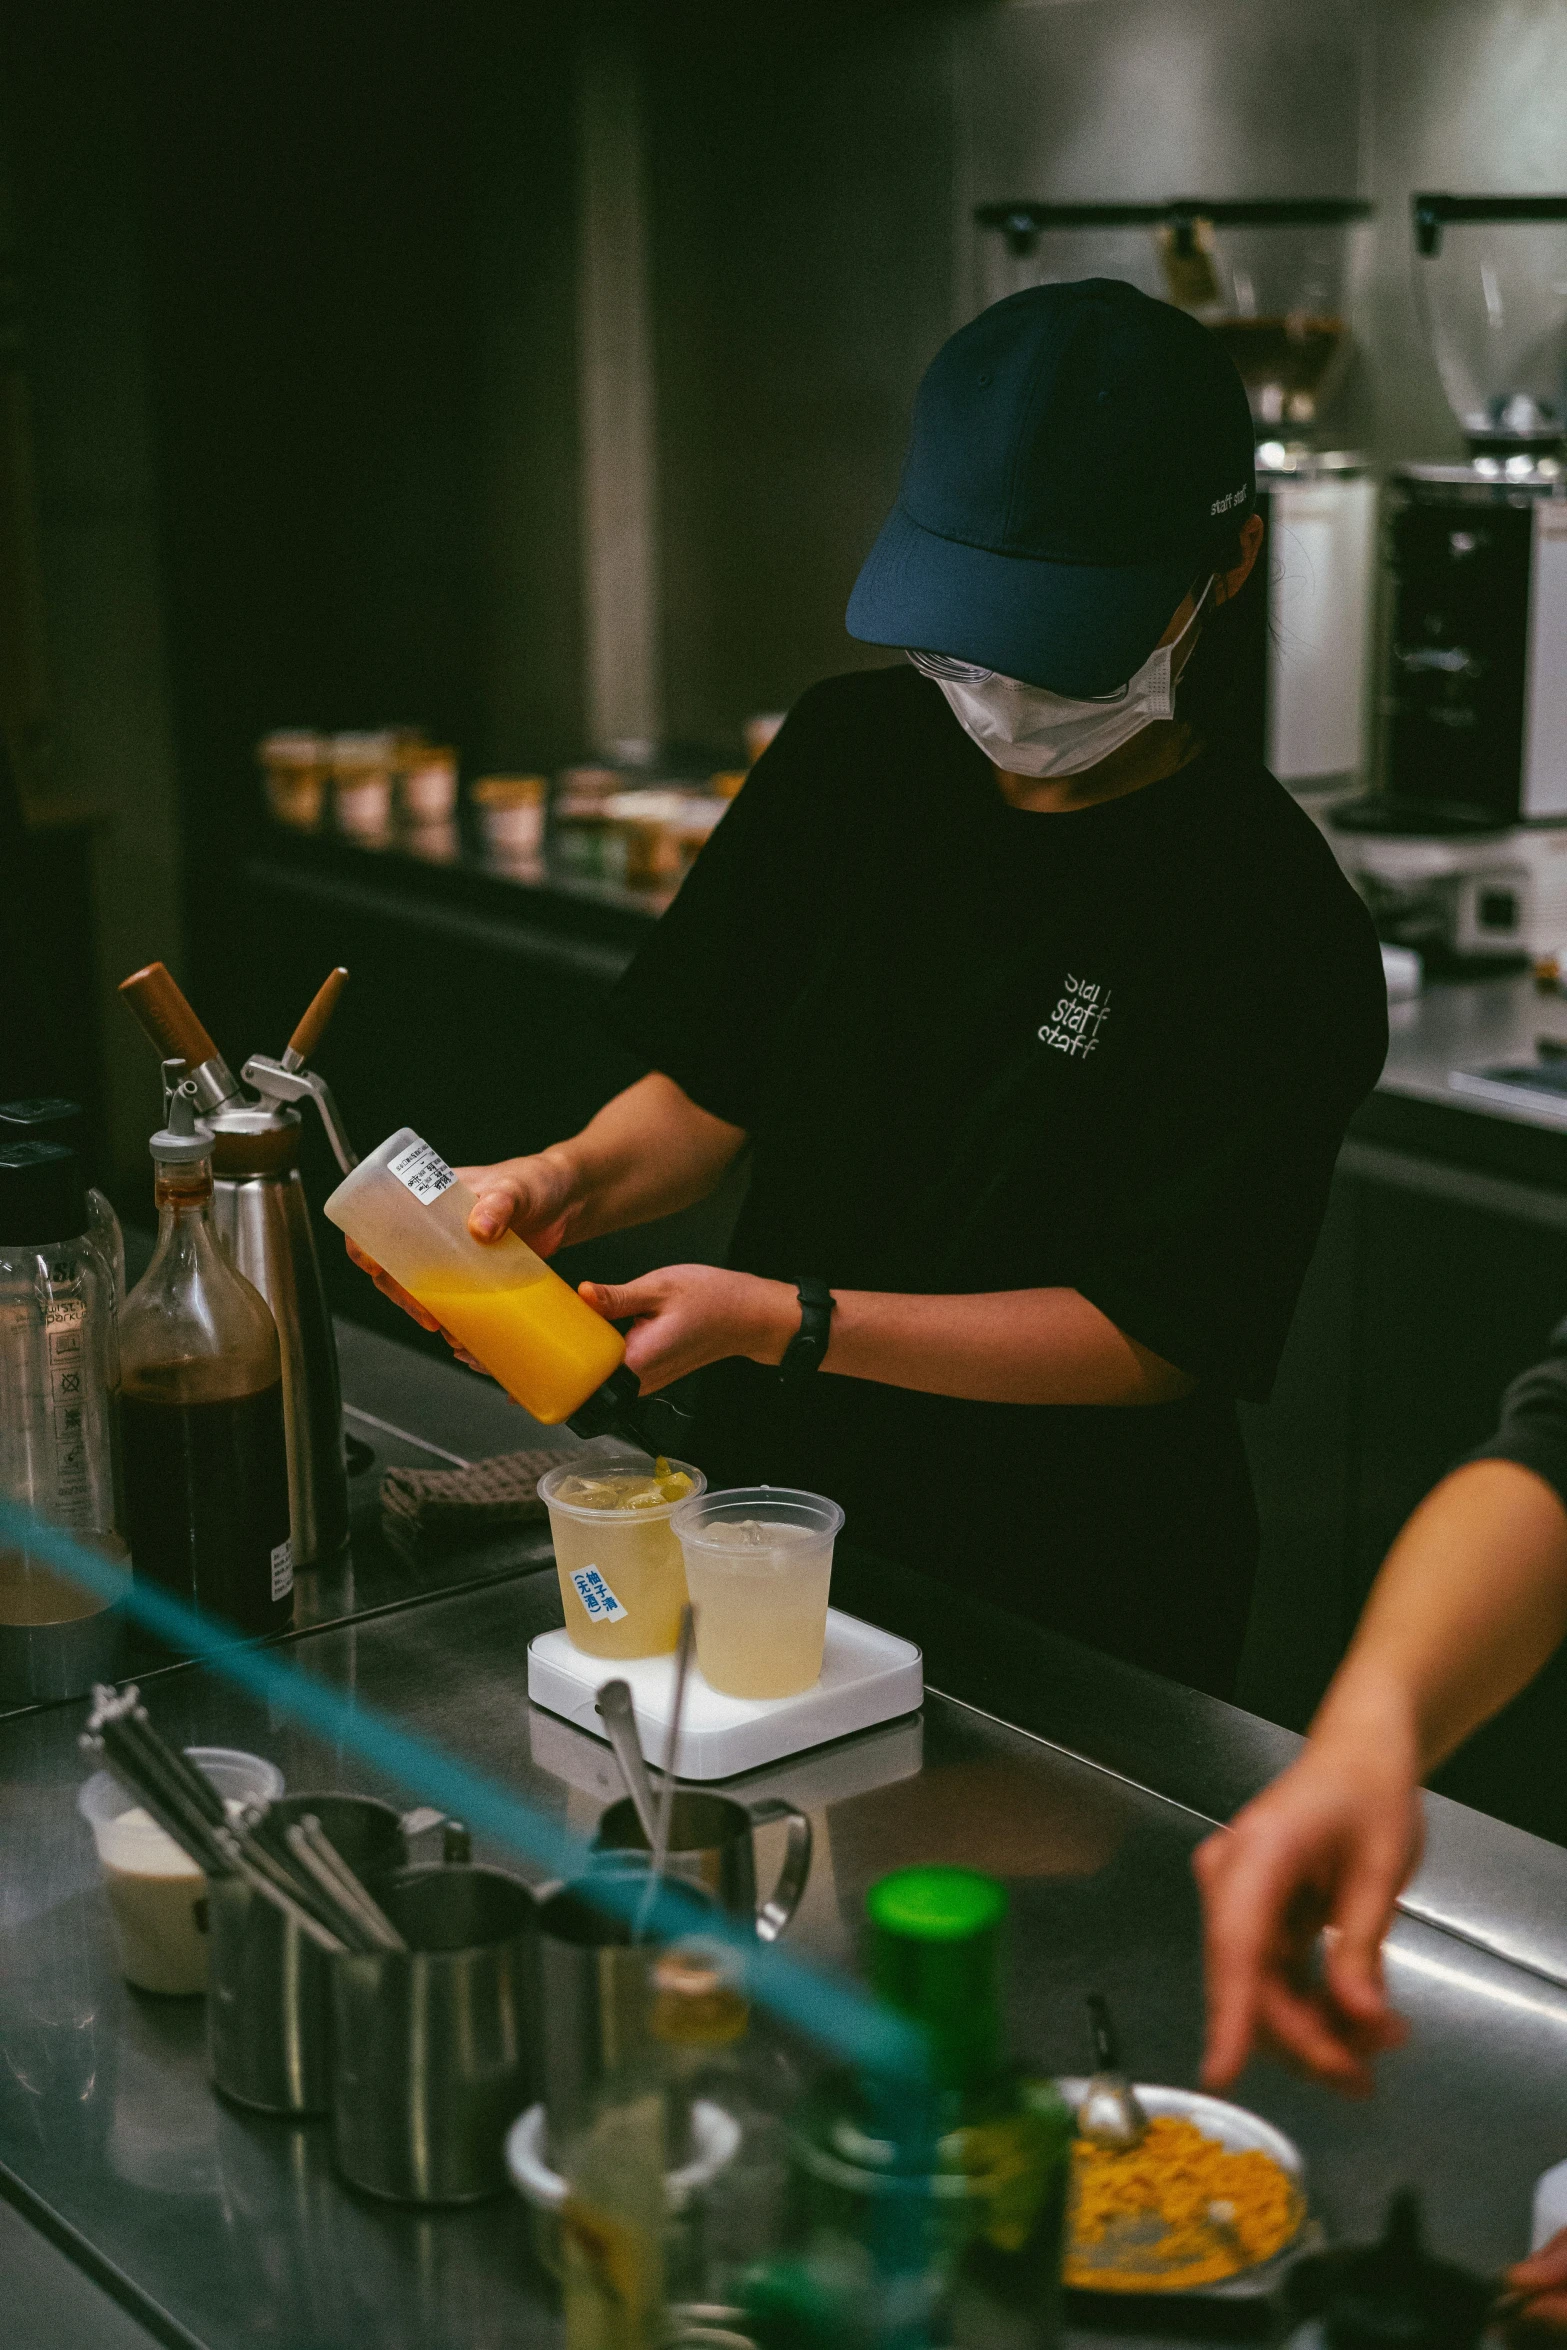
153,1885
759,1569
622,1577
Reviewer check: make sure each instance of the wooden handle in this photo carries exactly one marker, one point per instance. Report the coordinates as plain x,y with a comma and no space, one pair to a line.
322,1005
166,1017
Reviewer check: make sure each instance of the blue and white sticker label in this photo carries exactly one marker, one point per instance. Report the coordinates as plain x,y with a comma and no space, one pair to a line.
599,1603
283,1569
422,1171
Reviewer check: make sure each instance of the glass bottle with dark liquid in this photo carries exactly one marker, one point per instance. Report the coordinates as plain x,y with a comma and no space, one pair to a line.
206,1467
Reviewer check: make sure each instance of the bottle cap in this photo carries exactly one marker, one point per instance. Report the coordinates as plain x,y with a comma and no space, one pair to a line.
181,1142
42,1198
936,1956
611,1410
1391,2295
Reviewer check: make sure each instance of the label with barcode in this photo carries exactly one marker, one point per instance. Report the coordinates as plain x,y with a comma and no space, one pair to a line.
598,1601
422,1171
283,1569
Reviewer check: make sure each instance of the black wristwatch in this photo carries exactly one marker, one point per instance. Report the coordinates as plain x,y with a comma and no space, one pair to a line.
803,1354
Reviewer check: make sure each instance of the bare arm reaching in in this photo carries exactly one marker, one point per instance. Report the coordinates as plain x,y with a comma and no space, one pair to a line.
1470,1603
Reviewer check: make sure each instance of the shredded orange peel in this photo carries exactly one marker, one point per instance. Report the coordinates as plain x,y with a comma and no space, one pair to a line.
1216,2212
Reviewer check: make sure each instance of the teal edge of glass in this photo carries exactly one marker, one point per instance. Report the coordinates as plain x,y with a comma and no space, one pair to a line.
836,2014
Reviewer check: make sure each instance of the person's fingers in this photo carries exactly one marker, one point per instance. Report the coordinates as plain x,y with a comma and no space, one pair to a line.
1235,1936
1301,2028
496,1208
1541,2320
618,1301
360,1257
1541,2269
1376,1866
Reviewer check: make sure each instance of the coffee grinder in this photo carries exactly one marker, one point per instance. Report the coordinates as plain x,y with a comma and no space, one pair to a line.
1463,849
1273,280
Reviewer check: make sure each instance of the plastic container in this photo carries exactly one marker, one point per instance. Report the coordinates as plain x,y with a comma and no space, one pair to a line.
759,1568
154,1886
622,1577
294,766
427,784
405,1208
49,1118
511,812
59,1454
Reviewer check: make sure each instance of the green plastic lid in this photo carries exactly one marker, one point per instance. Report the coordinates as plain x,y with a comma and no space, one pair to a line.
935,1955
935,1904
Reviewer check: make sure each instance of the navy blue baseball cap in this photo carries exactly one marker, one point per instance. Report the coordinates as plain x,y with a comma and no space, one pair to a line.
1079,453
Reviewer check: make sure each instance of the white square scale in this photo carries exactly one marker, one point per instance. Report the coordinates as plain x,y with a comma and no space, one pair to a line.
868,1676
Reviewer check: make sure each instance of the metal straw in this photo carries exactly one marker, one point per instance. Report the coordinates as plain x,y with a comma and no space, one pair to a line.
616,1712
253,1865
666,1794
352,1907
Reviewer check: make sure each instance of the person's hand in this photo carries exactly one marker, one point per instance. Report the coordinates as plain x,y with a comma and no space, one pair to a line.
535,1197
1325,1850
1543,2277
531,1196
689,1315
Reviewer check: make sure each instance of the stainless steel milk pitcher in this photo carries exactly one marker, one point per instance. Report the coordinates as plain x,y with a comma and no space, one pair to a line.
432,2046
712,1847
263,1220
269,1991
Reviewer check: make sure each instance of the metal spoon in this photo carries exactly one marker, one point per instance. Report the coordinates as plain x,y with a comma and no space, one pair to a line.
620,1724
1109,2114
659,1861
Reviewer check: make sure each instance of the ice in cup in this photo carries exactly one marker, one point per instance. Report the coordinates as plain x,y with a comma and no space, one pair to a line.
759,1568
622,1578
154,1886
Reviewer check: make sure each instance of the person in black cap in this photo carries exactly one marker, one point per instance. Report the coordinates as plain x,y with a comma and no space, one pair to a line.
1039,1006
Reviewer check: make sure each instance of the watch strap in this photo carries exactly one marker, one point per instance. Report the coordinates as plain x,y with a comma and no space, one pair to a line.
802,1356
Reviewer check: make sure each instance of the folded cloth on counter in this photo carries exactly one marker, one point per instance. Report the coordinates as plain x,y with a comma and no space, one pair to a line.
429,1510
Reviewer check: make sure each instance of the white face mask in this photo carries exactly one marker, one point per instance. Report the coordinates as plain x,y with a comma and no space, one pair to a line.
1030,731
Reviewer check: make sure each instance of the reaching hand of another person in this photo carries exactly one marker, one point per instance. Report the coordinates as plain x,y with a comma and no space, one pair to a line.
1543,2277
1325,1851
687,1316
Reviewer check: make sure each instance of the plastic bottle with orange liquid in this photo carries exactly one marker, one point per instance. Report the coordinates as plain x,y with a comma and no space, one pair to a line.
550,1351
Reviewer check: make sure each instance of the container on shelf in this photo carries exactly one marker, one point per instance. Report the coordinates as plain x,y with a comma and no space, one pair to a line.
363,765
511,813
295,764
427,783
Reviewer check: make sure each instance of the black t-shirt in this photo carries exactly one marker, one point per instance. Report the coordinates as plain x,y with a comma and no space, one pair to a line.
977,1047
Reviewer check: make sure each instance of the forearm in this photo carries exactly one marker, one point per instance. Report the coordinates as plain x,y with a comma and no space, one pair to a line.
649,1152
1470,1602
1030,1346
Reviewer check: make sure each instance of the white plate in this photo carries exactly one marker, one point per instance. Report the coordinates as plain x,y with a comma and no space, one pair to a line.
1239,2132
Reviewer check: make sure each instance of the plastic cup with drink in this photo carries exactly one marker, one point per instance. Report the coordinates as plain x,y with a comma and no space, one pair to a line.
759,1569
622,1577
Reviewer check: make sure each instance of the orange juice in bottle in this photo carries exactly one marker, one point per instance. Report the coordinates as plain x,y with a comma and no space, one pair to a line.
550,1351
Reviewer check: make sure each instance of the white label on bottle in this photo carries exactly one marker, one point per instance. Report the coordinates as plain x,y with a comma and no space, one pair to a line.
599,1603
422,1171
283,1569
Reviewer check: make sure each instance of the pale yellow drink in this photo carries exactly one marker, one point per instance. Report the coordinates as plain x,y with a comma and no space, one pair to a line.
622,1576
759,1570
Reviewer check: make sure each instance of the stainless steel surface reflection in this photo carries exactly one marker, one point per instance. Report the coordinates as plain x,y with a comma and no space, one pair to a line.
234,2225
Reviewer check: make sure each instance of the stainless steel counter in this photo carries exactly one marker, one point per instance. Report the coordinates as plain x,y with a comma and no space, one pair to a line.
1083,1783
1462,1025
